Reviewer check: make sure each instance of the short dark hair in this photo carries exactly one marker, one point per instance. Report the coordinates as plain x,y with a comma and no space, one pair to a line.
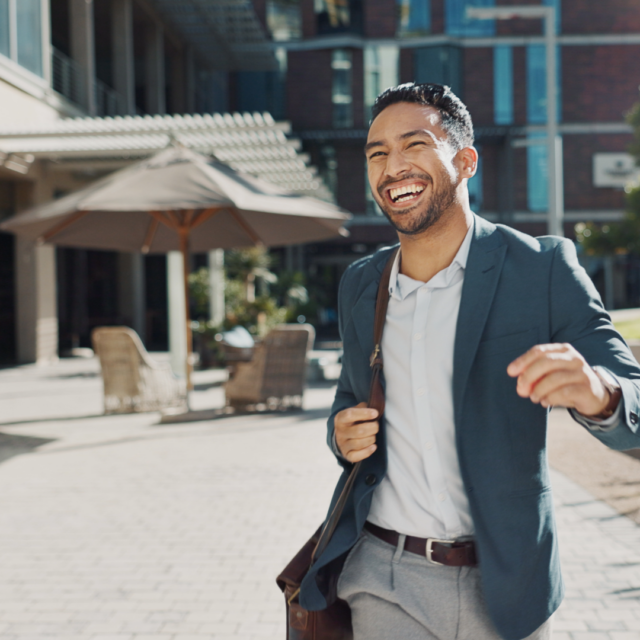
455,118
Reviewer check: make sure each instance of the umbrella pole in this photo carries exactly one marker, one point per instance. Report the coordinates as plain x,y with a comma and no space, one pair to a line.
184,249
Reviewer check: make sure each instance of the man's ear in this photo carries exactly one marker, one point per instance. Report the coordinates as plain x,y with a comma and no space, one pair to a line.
467,161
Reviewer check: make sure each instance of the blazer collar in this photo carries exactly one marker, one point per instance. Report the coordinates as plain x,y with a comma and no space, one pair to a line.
482,272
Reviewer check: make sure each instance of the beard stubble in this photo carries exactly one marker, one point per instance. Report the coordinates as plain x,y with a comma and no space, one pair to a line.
441,200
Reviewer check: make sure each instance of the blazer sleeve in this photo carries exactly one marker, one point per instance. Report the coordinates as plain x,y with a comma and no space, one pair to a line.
578,317
344,397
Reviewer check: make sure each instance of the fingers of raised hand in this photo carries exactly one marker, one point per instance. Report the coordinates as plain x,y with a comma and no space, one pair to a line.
348,417
356,430
357,441
563,383
521,364
541,361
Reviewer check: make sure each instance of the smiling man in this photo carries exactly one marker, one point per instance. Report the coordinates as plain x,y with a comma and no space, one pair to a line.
449,532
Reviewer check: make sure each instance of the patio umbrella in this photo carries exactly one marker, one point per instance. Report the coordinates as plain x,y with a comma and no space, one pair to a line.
179,200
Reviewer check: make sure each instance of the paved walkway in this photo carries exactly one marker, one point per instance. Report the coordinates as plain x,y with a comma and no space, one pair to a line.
119,528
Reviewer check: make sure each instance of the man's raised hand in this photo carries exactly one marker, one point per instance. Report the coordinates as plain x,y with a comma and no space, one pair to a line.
557,375
355,429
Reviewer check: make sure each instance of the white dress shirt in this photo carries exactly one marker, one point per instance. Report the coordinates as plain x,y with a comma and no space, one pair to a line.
422,493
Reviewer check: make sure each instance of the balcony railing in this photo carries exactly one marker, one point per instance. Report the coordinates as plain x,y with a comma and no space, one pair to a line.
68,78
108,101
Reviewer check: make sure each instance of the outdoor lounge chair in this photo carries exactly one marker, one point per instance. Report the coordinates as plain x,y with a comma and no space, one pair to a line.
276,376
132,380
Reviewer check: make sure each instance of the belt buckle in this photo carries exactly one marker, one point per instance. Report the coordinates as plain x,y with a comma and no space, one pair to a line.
429,549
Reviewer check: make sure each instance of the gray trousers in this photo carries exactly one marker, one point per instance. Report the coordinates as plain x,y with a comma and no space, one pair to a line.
396,594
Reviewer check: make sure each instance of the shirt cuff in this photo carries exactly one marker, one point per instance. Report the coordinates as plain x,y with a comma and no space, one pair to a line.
595,424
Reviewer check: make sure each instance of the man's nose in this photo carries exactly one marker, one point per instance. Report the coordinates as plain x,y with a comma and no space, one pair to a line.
397,164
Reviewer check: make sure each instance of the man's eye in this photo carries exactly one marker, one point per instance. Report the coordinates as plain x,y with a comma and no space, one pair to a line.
413,144
377,153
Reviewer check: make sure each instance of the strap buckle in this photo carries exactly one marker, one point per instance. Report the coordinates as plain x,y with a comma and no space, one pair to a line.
374,355
429,549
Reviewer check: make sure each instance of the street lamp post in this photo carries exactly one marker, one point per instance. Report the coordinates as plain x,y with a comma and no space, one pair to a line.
555,197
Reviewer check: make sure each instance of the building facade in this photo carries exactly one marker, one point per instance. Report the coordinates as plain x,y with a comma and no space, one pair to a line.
337,55
115,63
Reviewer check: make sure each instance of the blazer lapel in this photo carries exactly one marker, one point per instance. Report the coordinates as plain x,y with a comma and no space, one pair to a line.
484,265
363,311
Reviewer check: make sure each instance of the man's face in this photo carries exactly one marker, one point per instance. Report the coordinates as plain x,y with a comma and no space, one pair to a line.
411,166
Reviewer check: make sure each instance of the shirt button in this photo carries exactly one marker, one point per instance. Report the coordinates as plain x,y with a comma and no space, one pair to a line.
417,336
421,391
441,497
370,480
428,446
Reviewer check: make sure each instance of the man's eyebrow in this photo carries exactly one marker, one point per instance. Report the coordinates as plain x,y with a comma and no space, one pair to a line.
409,134
417,132
370,145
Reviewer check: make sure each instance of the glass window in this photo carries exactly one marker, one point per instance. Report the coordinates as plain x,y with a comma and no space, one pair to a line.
503,85
537,177
5,48
475,185
263,90
442,65
536,84
29,35
335,16
414,17
457,23
380,73
341,95
284,19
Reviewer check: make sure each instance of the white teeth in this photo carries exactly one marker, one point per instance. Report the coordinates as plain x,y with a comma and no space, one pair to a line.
412,189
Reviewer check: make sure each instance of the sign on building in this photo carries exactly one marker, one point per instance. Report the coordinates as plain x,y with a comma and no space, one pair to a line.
614,170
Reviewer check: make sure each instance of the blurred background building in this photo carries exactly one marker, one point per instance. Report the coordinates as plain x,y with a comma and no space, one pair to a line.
318,65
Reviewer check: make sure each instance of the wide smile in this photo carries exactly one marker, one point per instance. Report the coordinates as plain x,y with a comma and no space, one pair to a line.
404,194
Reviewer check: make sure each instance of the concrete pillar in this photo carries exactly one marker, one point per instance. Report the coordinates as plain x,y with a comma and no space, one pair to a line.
123,58
190,80
130,266
216,286
37,319
154,72
36,292
131,291
177,313
83,47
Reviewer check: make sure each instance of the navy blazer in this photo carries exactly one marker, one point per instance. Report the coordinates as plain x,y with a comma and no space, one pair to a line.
518,291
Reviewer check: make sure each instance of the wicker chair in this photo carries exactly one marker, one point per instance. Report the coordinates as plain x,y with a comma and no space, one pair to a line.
276,375
132,380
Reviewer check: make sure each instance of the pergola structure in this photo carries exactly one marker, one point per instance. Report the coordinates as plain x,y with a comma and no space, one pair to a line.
251,143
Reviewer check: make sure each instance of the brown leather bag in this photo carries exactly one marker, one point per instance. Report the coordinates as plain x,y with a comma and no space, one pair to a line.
334,622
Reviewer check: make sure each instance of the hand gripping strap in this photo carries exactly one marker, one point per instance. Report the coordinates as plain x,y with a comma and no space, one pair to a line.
376,401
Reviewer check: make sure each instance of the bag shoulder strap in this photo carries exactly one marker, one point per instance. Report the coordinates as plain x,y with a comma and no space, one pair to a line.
376,401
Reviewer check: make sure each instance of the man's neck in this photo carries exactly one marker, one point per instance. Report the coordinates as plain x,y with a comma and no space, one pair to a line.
426,254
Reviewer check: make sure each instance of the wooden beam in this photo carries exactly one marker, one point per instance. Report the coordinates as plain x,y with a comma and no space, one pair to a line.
151,232
67,222
166,220
247,228
204,215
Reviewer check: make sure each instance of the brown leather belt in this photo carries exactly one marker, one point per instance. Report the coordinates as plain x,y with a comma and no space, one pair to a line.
451,553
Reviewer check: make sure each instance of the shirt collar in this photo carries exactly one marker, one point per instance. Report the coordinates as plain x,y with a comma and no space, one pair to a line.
443,278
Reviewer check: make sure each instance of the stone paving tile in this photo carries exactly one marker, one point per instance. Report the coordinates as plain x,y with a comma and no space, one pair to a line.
120,528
